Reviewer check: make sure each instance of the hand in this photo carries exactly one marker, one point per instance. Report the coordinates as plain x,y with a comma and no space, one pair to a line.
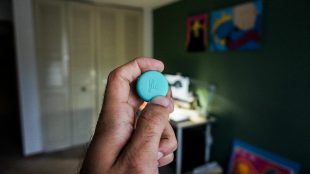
116,146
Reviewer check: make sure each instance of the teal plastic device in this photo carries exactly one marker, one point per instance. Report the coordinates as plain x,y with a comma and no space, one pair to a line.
152,84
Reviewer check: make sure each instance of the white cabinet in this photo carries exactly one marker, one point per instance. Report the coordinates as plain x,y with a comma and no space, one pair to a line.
77,45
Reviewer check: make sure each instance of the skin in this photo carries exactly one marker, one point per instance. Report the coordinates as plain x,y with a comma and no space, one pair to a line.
117,146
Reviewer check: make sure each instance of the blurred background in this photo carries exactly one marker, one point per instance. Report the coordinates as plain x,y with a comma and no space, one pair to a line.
56,56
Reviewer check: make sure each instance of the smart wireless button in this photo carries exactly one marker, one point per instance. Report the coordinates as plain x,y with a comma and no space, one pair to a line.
152,84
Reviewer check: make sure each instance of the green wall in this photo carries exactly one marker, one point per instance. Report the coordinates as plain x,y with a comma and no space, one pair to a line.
262,96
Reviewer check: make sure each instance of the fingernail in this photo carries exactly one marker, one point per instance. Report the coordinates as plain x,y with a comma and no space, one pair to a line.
159,155
162,101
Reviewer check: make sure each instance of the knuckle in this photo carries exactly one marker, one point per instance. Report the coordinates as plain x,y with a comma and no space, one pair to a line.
171,157
138,58
174,144
137,164
115,74
169,145
166,160
153,117
111,76
151,125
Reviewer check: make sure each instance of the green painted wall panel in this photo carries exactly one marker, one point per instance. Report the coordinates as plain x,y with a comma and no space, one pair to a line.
263,95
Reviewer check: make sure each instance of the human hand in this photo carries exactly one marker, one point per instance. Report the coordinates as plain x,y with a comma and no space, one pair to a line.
116,146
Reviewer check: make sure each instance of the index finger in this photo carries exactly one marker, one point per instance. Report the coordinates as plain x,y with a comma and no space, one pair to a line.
119,80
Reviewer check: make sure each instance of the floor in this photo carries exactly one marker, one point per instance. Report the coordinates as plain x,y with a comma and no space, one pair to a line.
63,162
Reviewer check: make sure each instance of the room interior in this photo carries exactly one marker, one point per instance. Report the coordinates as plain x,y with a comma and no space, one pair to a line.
58,54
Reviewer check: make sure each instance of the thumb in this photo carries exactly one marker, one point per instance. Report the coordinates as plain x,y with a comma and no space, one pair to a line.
150,126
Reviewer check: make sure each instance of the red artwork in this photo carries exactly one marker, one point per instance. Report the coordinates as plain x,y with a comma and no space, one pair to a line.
247,159
196,34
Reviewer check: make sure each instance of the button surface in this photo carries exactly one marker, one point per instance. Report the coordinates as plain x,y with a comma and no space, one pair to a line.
152,84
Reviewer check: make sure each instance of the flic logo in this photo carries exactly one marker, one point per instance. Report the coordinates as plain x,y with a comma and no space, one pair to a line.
152,85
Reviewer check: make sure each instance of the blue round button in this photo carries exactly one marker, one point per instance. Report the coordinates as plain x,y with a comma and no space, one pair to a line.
152,84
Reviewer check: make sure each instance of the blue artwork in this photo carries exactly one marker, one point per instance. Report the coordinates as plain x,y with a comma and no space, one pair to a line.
237,28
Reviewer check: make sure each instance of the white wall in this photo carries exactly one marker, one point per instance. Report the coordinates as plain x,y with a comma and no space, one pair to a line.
27,77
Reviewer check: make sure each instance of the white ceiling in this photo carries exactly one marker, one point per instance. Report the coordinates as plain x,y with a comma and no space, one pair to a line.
138,3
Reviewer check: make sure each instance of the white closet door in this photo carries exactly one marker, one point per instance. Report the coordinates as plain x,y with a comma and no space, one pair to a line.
82,68
133,33
108,46
119,39
97,39
53,74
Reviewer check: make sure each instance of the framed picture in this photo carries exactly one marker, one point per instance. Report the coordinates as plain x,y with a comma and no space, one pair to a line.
247,159
237,28
196,33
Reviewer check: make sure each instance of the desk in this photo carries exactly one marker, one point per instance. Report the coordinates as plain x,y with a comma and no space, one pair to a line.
180,126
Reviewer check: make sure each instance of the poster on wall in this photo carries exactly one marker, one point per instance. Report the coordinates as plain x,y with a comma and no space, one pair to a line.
196,33
247,159
237,28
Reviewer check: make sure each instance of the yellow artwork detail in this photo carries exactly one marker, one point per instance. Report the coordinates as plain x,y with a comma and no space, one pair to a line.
196,27
217,23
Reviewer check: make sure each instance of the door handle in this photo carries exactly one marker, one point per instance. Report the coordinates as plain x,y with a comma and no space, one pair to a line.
83,89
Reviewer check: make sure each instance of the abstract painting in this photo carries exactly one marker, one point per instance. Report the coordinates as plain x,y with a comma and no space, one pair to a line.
237,28
196,33
247,159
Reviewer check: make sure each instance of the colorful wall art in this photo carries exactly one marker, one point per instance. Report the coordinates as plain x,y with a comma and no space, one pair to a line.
237,28
196,33
246,159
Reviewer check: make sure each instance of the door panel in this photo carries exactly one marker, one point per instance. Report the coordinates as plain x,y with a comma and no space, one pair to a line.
82,68
56,123
108,47
133,37
119,39
53,75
